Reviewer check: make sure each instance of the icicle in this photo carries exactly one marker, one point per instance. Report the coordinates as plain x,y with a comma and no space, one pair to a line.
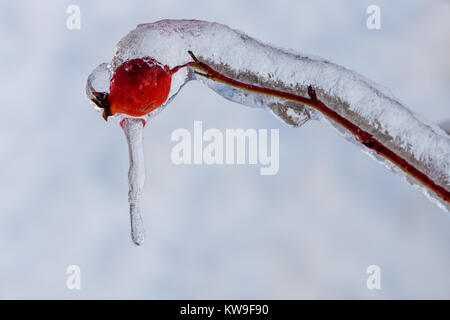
133,128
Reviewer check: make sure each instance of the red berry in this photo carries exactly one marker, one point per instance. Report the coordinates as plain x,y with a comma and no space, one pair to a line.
139,86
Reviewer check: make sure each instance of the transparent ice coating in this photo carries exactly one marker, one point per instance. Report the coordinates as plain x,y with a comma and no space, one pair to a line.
234,54
133,129
98,81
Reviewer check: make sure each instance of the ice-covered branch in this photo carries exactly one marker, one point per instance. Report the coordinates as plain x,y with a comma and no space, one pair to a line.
296,88
370,107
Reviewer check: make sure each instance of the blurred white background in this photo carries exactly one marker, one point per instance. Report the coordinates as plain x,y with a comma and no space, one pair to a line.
213,231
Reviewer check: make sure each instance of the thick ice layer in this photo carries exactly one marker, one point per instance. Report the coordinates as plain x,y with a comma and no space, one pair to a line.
234,54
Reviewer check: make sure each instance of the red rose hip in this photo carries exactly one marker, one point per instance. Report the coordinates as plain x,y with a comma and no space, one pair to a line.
139,86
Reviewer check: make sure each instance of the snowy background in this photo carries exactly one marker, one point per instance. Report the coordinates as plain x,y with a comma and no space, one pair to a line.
213,231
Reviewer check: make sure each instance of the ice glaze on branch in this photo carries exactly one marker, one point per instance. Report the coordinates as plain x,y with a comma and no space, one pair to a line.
297,87
362,136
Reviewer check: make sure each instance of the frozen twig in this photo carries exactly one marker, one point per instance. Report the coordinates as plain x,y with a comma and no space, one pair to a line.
296,87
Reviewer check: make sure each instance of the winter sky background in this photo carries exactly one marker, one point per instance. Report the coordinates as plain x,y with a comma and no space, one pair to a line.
213,231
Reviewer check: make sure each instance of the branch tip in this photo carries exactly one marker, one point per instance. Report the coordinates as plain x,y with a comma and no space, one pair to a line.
312,93
193,56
